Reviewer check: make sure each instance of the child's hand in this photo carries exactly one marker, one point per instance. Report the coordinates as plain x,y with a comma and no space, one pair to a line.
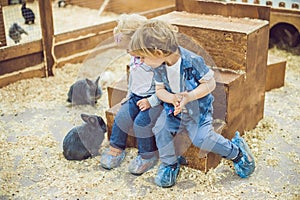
184,99
143,104
177,98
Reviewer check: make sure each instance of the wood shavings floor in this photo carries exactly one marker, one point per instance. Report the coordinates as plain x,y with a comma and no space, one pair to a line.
35,117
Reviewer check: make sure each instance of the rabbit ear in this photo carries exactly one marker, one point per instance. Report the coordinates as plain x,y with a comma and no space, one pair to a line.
89,82
102,123
97,80
93,120
85,117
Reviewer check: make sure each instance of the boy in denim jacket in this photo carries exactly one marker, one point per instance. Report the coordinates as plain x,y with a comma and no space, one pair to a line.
184,83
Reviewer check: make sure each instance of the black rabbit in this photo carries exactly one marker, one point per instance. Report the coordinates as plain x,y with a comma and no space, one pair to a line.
28,14
62,3
84,141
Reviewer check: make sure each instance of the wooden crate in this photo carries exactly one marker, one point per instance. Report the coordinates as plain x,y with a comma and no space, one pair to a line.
275,72
238,45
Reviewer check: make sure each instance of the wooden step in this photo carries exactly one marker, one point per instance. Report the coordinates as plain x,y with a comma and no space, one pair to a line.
116,92
275,72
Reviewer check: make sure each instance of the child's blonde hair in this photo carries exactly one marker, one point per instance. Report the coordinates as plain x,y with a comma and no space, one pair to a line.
152,36
128,23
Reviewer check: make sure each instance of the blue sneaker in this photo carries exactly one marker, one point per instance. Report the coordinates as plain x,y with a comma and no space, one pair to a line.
244,164
112,158
167,174
138,166
182,160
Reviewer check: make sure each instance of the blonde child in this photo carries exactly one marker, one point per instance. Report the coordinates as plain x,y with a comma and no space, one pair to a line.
138,111
184,83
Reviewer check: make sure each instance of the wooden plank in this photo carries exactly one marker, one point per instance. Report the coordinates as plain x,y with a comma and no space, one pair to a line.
70,47
125,6
21,62
83,32
19,50
158,11
46,18
6,80
93,4
226,9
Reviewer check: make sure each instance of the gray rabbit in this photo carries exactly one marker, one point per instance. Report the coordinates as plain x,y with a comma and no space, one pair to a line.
15,32
84,141
84,91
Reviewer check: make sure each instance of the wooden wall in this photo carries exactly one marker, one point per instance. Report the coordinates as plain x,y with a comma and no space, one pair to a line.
224,8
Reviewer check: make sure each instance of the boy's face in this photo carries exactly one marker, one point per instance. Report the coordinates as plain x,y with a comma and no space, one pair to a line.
153,62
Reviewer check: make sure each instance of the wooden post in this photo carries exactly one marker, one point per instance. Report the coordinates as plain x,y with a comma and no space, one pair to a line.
2,29
45,7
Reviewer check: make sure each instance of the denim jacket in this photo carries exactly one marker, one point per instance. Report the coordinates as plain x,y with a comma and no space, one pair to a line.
197,109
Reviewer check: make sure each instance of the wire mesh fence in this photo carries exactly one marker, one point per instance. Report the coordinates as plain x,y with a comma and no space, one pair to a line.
21,22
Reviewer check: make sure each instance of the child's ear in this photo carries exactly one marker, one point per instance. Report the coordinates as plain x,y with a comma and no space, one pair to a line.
159,53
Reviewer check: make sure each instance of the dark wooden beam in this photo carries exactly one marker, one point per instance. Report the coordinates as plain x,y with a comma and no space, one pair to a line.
46,18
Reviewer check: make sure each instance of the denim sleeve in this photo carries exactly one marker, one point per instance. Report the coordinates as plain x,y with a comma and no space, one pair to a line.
200,67
157,75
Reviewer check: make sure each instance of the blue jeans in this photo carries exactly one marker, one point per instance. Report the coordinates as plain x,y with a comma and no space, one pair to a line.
131,117
202,136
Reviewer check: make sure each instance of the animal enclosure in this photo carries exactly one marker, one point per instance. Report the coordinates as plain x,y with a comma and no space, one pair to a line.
35,116
55,38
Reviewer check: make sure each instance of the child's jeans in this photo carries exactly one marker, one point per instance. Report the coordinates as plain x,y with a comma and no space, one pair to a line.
142,122
202,135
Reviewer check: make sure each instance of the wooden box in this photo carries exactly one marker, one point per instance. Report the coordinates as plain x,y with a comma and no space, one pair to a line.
116,92
239,46
275,72
196,159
